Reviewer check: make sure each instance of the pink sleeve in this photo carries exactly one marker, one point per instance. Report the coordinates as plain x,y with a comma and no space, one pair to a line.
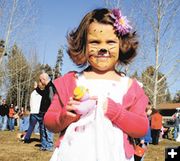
130,116
56,118
51,118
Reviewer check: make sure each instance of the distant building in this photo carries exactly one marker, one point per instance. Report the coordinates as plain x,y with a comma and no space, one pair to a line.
167,110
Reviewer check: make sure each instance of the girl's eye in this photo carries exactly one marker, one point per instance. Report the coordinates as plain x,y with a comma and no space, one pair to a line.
94,42
111,42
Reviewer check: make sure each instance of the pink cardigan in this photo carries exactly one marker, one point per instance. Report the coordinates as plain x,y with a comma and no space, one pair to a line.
130,117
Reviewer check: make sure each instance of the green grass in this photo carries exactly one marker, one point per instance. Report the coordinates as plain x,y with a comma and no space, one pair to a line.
157,152
11,149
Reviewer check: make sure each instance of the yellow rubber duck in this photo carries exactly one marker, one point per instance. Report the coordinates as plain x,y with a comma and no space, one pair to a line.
80,92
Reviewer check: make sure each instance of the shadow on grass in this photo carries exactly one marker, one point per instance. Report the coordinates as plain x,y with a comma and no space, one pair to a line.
35,140
37,145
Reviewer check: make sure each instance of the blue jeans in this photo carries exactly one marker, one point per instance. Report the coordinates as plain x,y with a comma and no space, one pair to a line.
176,131
46,138
0,122
11,123
36,128
32,122
24,123
45,135
4,122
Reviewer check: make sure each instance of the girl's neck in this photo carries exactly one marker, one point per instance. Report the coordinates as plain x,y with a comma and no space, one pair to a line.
108,75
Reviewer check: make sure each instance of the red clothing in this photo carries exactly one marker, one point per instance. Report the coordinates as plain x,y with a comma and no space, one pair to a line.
11,112
156,121
130,117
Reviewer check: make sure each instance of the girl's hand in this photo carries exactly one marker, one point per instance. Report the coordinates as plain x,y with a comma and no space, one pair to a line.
71,105
70,108
70,116
86,106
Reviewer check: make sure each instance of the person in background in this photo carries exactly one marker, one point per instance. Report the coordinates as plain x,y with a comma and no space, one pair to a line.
11,117
47,94
102,42
4,113
147,139
23,119
35,102
156,125
176,118
16,116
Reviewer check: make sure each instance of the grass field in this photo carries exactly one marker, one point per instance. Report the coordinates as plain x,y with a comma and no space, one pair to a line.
13,150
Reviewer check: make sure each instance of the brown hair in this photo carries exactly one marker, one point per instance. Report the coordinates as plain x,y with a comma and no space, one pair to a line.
77,38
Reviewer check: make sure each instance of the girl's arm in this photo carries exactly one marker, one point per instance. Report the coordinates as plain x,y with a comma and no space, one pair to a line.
130,116
57,118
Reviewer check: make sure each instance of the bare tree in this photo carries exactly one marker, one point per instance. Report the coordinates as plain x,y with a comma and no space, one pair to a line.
162,16
20,75
16,16
159,36
17,19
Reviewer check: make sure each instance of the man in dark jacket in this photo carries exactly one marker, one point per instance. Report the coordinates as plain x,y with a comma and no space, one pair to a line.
47,94
4,112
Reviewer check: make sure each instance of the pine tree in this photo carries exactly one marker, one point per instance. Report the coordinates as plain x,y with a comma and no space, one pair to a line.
59,63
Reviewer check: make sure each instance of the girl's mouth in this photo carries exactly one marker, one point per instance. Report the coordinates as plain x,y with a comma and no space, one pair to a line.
106,55
102,53
100,56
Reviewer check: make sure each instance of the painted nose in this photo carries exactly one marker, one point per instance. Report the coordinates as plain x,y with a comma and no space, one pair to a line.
102,51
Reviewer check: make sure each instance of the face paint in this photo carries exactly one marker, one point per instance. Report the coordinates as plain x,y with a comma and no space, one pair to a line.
102,52
102,48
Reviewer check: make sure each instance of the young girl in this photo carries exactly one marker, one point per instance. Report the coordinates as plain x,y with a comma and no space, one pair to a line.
11,117
102,41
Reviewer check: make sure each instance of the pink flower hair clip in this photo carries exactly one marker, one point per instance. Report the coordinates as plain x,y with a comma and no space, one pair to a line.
121,23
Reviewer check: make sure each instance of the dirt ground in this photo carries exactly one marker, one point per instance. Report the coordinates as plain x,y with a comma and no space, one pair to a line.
11,149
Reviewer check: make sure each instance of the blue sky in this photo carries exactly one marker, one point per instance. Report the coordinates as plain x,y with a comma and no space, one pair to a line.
57,17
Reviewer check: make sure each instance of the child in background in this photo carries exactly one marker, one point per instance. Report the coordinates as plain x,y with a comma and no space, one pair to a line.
11,117
156,126
103,41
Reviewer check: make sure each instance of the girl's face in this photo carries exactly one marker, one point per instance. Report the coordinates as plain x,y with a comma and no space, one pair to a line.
102,47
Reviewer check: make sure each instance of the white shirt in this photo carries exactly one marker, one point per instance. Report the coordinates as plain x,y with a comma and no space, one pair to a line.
94,137
35,102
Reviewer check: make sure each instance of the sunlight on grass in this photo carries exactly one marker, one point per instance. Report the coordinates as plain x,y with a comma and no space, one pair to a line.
14,150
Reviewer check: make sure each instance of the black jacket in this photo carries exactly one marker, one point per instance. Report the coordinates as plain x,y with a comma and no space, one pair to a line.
47,95
4,110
